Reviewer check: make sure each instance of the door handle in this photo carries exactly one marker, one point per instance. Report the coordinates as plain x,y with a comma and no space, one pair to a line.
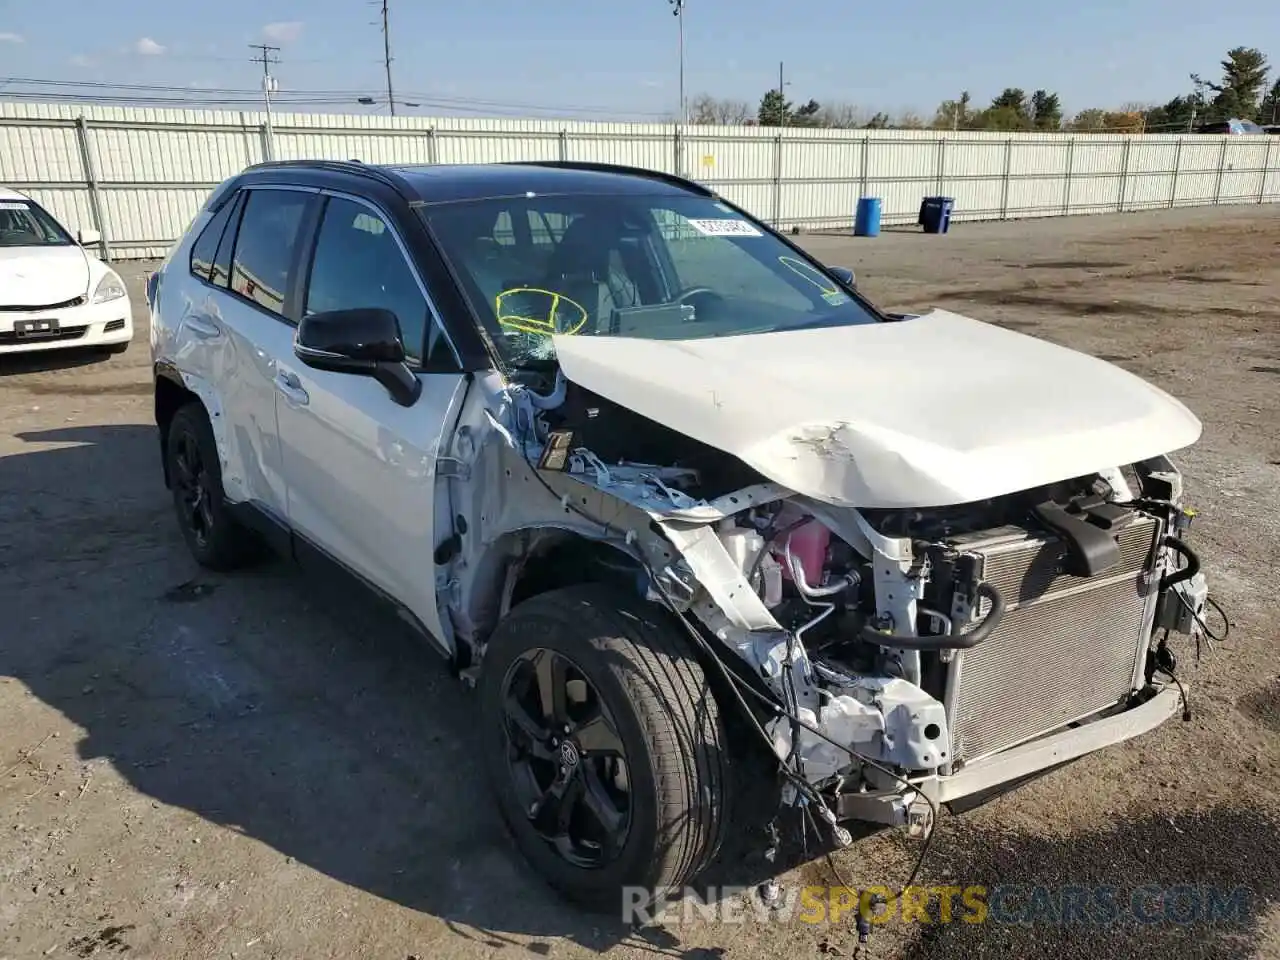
289,385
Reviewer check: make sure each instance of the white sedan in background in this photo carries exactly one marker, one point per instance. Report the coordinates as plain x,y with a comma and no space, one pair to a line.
54,292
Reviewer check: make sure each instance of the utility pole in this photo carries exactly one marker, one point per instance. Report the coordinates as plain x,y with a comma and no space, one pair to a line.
782,98
386,54
1195,101
682,118
268,86
678,13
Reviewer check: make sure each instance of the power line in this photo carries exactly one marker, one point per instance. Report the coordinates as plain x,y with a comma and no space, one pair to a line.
292,99
239,94
511,105
163,99
90,91
172,88
209,58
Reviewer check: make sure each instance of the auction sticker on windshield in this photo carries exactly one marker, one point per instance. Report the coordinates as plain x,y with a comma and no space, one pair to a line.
725,228
14,205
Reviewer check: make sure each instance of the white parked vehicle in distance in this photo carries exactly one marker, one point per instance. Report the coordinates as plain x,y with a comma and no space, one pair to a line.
673,494
53,291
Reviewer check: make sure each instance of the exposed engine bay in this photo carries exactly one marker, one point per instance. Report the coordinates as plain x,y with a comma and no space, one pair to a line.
910,657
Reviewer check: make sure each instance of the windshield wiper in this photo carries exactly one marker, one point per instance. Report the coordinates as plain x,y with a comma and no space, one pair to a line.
815,323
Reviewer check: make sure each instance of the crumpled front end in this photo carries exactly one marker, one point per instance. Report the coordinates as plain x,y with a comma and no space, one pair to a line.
900,658
924,656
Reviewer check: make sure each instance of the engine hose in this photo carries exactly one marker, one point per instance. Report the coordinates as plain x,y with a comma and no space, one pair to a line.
962,641
1187,572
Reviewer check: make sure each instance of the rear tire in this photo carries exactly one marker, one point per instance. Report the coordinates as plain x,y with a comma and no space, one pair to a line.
633,687
215,539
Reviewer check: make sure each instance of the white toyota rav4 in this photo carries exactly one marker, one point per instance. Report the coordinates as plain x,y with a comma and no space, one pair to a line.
674,497
53,291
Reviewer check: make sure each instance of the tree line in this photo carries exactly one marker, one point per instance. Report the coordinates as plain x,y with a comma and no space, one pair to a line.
1240,93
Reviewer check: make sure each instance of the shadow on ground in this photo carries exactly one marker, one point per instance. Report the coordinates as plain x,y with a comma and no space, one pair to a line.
46,361
314,724
1187,885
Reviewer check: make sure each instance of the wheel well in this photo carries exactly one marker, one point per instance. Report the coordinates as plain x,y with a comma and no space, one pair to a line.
571,560
170,398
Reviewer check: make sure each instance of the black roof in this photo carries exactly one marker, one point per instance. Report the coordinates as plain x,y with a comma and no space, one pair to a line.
443,183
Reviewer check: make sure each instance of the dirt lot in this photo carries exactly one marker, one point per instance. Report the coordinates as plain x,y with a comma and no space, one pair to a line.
195,766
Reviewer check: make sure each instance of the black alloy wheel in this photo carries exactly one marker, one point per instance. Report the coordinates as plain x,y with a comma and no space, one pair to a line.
604,745
567,763
212,534
191,488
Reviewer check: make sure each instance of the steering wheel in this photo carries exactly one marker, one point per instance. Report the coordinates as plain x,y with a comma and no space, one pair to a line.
686,295
696,291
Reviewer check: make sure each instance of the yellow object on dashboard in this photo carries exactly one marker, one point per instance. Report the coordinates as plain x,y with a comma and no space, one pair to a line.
540,326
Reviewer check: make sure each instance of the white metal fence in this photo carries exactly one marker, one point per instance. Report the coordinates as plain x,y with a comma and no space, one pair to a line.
138,175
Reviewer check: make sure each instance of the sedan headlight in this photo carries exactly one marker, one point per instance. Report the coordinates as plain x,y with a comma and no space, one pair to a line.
110,287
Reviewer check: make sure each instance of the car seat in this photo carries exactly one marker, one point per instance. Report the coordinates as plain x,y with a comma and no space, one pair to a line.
586,266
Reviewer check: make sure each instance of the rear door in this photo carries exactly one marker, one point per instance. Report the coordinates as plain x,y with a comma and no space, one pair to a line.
233,332
359,468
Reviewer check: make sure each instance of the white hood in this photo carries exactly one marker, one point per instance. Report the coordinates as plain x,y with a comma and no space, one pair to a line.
40,276
936,410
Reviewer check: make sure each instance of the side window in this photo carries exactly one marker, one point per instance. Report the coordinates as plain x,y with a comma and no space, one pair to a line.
205,249
265,245
221,274
358,264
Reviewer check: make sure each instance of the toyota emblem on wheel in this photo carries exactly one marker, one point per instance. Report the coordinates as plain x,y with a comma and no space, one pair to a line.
569,754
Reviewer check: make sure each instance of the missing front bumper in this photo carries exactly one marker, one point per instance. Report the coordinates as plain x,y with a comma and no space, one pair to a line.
1014,764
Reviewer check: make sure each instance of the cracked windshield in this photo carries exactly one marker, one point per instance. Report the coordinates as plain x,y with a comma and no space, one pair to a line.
664,267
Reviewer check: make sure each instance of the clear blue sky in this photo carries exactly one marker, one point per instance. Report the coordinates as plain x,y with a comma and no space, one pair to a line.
622,54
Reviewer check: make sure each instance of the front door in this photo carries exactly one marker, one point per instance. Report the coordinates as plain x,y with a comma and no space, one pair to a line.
360,470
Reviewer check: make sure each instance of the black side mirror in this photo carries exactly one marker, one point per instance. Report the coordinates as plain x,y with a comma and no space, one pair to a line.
845,276
365,342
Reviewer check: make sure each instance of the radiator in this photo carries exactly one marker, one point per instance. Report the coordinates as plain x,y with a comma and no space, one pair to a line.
1066,648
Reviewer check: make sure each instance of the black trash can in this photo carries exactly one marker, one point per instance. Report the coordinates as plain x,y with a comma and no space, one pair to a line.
935,214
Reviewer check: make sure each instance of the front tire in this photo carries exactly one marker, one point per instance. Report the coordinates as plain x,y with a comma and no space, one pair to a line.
195,475
604,746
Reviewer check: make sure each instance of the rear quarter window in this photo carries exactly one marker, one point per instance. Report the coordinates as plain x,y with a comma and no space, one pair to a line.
205,250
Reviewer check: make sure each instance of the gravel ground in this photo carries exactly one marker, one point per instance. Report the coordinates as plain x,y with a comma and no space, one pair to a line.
196,766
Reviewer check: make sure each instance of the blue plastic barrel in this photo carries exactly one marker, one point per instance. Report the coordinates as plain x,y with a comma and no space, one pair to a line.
935,214
866,223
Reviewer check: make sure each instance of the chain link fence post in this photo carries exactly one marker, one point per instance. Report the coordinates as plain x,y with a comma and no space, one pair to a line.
91,181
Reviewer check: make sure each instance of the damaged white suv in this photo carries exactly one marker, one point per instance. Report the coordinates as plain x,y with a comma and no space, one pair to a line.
669,492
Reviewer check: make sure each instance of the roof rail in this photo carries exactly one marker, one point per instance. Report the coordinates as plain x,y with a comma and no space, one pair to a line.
670,178
336,166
